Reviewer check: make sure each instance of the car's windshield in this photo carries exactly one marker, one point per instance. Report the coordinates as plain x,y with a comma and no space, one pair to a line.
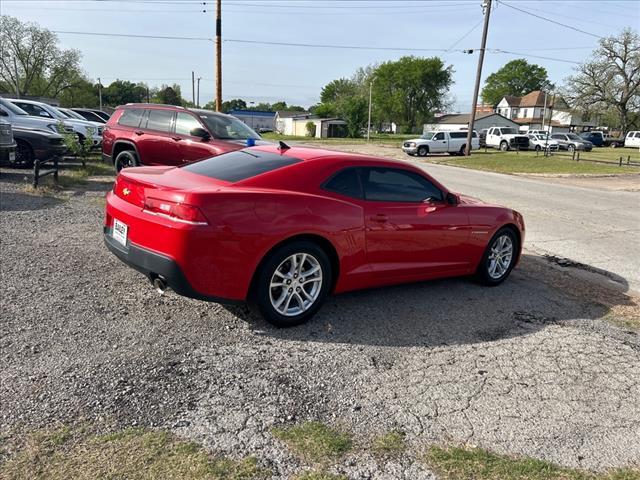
573,136
12,108
427,135
508,131
227,127
58,113
72,114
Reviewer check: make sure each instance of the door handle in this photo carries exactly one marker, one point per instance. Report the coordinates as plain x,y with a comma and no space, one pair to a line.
177,139
139,132
379,217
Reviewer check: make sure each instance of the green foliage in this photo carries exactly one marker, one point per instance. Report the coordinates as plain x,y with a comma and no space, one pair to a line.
235,104
120,92
518,77
311,129
168,95
82,94
610,79
315,441
457,463
135,454
32,60
409,90
348,100
78,148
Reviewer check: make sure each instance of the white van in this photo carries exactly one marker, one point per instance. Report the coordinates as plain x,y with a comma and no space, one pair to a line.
632,139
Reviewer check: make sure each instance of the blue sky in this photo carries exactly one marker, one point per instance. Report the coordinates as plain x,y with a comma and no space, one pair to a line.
296,74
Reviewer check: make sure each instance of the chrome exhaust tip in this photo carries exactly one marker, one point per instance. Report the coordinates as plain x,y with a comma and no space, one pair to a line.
160,284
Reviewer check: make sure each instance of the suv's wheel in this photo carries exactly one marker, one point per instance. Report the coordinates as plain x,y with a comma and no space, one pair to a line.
499,257
462,150
538,148
24,155
423,151
126,159
504,146
571,147
293,283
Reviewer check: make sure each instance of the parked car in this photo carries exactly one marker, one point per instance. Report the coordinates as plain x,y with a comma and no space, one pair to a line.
83,128
542,142
72,114
613,142
632,139
19,118
7,144
538,132
440,142
36,144
507,138
93,115
595,137
150,134
571,142
283,227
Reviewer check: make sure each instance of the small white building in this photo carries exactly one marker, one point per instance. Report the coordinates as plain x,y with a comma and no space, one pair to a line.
323,127
284,121
528,112
460,121
258,120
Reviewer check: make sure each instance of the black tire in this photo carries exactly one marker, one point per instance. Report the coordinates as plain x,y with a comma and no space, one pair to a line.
538,148
24,156
483,272
462,150
571,148
262,293
126,159
423,151
504,146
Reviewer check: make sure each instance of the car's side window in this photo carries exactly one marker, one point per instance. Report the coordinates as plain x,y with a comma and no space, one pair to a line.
3,113
131,117
345,182
383,184
160,120
439,136
34,110
185,123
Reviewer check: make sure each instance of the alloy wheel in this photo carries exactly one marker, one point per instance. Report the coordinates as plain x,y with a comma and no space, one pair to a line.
295,284
500,256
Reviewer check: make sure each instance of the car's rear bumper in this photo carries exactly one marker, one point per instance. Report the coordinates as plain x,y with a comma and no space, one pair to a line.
153,264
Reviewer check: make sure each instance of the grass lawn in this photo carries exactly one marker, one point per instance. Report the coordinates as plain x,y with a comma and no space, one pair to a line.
528,162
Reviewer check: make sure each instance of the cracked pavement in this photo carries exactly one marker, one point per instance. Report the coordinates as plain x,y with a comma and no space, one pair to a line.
530,368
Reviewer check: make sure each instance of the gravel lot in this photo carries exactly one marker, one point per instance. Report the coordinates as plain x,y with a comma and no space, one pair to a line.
525,368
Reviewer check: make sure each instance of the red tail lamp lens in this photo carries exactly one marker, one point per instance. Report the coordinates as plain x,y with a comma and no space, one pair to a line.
181,212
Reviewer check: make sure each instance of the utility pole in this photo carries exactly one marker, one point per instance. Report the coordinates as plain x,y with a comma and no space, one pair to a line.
487,12
100,92
193,87
369,121
218,55
198,93
15,69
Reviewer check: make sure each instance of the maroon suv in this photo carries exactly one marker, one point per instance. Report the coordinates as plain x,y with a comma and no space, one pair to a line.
150,134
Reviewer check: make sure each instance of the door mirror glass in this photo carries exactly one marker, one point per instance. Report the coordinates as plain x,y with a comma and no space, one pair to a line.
200,133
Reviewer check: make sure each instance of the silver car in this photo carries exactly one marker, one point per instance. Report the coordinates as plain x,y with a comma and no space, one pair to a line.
19,118
83,128
572,142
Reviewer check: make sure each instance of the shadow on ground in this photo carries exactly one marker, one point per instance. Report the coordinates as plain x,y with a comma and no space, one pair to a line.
443,312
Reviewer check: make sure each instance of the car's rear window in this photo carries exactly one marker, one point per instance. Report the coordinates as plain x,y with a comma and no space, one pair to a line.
240,165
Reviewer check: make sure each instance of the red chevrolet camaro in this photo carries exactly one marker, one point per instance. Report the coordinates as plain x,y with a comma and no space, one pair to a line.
283,227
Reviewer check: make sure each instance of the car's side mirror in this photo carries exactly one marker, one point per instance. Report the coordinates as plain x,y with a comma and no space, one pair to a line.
200,133
452,199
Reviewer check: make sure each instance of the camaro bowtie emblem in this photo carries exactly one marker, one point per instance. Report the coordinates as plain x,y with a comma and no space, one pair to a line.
126,191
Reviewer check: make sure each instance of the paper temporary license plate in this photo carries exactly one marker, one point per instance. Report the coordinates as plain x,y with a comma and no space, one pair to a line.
12,157
120,231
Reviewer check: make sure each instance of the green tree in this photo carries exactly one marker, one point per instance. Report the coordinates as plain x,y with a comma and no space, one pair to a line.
408,91
611,79
235,104
518,77
82,94
168,95
344,98
32,63
120,92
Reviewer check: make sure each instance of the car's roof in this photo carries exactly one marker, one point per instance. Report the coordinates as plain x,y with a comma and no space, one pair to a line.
307,153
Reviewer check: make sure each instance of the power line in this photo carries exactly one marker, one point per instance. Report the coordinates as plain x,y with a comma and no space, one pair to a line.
498,50
465,35
128,35
548,19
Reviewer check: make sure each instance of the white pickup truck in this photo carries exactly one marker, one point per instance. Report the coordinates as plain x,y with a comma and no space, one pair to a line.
453,143
506,138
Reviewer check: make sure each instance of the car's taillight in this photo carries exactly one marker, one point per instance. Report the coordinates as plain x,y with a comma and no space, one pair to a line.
179,212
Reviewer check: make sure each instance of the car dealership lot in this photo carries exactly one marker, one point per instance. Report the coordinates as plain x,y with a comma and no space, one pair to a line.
532,367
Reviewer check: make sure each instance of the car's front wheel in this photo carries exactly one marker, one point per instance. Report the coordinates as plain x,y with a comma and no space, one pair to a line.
538,148
125,159
571,148
293,283
24,156
504,146
423,151
499,258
